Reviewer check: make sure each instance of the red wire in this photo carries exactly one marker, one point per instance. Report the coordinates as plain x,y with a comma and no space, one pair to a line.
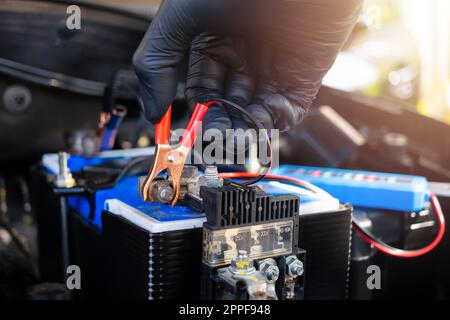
412,253
399,253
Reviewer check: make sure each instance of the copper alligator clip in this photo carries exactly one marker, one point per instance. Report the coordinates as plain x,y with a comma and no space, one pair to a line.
172,159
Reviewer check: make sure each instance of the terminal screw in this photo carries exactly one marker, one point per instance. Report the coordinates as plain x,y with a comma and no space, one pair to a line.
269,269
294,266
211,172
164,193
211,177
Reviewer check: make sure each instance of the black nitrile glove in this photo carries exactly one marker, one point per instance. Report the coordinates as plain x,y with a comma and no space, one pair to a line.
268,56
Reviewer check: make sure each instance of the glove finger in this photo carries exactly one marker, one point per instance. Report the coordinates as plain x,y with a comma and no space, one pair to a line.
207,72
240,89
162,48
277,110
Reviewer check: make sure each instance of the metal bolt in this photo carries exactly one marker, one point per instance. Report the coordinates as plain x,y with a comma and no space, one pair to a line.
165,193
62,159
242,254
64,178
170,158
294,266
269,269
211,172
211,177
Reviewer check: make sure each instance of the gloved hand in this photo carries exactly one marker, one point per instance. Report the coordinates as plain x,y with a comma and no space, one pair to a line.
268,56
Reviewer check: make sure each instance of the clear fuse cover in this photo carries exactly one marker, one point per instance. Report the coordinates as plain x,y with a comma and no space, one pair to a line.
260,241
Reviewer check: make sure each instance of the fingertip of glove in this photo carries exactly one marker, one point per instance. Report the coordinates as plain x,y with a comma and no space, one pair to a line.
262,115
153,111
217,118
220,124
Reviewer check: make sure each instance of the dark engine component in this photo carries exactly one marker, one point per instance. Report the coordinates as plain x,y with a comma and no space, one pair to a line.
330,147
45,71
419,154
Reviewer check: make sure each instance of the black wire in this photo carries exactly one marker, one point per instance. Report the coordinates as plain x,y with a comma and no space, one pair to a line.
130,166
364,231
257,126
374,238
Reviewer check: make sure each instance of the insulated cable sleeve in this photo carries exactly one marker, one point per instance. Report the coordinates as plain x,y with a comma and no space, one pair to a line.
399,253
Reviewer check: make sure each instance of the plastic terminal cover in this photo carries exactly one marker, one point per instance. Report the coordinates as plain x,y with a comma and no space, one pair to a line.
260,241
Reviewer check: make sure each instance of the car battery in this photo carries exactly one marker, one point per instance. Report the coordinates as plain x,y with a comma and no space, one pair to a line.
153,250
127,248
322,216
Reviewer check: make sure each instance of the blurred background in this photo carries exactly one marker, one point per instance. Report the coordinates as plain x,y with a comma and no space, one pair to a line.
401,52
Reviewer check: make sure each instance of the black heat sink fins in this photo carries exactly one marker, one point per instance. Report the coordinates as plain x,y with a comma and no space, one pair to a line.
238,205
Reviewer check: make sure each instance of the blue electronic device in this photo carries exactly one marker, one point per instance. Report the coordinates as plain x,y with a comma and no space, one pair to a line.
366,189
